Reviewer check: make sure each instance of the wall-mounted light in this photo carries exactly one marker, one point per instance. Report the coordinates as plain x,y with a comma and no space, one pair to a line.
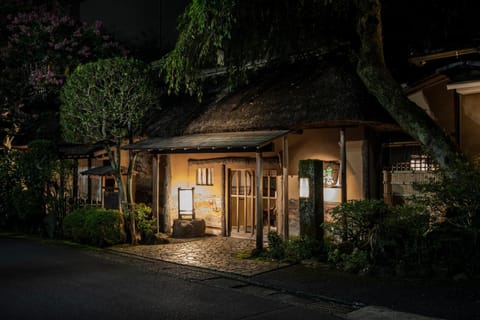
304,188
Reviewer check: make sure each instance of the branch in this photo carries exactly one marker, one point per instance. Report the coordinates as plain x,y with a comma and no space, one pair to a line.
377,78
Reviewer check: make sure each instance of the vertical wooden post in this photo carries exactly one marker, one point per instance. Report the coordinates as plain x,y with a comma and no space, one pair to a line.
155,190
224,193
89,182
164,191
343,165
343,175
285,187
259,202
365,170
75,182
456,116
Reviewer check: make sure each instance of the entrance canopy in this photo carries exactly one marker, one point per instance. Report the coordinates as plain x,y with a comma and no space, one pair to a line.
101,171
245,141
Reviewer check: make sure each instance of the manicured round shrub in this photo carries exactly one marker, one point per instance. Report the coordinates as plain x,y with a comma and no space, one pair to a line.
93,226
73,225
104,228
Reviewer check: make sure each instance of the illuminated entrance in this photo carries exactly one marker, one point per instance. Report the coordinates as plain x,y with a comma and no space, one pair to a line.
242,199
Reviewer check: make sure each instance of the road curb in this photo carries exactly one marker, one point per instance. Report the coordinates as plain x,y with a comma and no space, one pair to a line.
382,313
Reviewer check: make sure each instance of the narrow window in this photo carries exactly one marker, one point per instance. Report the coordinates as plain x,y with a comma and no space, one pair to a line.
205,176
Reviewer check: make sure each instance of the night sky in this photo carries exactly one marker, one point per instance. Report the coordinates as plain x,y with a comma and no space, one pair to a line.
147,25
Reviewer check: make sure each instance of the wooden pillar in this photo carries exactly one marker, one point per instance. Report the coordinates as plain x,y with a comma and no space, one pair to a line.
102,184
164,192
75,182
343,165
365,170
343,175
224,193
155,190
259,201
89,182
456,116
285,187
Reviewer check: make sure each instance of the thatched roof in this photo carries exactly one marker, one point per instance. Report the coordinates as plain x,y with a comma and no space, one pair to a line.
324,92
175,114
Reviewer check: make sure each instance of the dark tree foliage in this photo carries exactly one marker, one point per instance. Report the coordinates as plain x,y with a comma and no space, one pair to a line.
243,35
236,36
40,44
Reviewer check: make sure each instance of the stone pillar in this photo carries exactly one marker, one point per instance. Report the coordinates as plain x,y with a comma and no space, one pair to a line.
310,173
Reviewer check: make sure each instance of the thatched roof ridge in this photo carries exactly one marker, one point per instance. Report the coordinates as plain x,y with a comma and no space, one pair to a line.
307,94
313,93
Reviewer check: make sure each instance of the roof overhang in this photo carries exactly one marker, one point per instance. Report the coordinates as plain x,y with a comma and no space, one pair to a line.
422,60
246,141
466,87
101,171
80,151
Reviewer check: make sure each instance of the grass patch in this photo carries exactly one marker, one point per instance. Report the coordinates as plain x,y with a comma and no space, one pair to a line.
242,255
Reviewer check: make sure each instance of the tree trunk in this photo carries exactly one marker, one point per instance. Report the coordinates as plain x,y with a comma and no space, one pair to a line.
375,75
115,162
131,204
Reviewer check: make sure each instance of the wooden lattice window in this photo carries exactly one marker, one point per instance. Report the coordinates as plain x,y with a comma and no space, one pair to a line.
205,176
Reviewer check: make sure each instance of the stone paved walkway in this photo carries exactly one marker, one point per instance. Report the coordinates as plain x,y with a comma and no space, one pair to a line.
212,252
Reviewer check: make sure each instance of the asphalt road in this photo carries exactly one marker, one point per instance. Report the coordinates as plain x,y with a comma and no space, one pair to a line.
44,281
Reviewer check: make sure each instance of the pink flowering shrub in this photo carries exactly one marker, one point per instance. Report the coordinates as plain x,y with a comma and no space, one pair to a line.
42,47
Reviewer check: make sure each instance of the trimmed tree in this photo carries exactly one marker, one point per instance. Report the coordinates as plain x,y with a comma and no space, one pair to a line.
105,101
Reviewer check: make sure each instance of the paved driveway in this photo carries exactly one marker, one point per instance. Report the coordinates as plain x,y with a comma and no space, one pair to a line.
217,253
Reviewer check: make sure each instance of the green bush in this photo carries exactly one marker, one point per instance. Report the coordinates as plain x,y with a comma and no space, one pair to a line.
276,248
369,233
34,188
356,261
452,249
146,224
356,222
453,199
294,249
301,248
74,225
104,228
98,227
402,237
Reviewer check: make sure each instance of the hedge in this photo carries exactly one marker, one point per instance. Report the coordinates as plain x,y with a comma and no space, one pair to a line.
93,226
